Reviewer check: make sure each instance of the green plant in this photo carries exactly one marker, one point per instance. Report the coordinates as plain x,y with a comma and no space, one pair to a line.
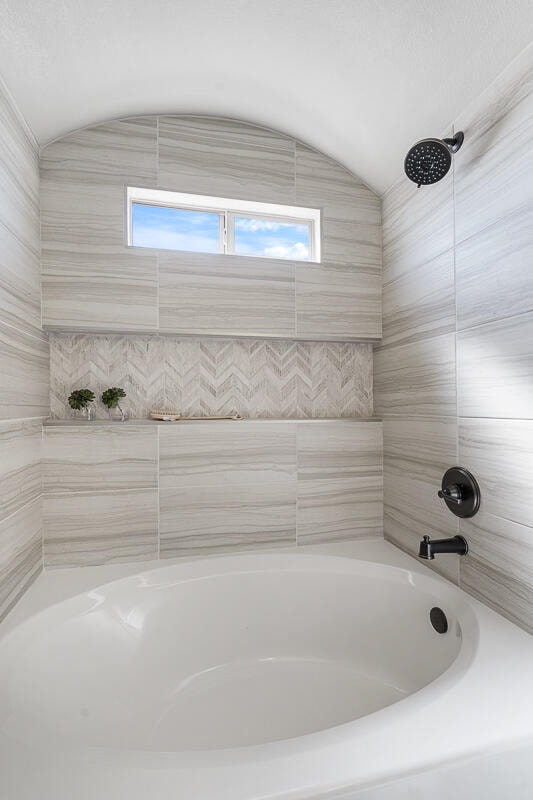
111,397
80,398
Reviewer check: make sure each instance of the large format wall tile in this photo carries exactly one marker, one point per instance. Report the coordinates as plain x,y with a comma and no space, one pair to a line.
417,226
20,464
351,212
21,553
494,270
495,369
224,294
226,485
108,154
499,566
20,282
111,290
494,169
104,458
420,303
255,378
225,158
81,529
340,481
24,359
416,378
19,177
417,452
337,301
499,453
24,366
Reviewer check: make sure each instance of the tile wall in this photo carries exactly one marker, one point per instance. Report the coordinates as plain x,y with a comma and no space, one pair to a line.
24,359
92,281
454,374
130,492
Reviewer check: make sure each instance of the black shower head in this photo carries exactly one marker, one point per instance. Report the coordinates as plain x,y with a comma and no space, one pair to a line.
429,160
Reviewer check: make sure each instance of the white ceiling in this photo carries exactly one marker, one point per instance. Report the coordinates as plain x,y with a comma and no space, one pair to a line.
359,79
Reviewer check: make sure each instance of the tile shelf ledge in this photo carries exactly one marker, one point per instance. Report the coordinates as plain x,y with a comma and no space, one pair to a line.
375,340
80,423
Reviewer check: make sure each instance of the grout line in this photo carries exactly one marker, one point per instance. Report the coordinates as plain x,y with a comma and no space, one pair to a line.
158,498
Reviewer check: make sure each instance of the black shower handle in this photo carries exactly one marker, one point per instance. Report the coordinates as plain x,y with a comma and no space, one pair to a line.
452,493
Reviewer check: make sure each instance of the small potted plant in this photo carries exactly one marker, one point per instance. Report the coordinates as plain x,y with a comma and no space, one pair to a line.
111,399
80,400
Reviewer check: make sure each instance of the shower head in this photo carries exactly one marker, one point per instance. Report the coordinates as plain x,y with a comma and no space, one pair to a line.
429,160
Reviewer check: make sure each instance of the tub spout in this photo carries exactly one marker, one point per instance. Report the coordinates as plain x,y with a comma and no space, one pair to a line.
429,548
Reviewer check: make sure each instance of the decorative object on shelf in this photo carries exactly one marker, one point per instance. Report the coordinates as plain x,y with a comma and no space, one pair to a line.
80,400
111,398
175,416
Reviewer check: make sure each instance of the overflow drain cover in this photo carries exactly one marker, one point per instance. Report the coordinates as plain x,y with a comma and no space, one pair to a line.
438,619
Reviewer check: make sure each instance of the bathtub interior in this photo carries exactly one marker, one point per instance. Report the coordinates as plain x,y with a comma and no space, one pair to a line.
222,654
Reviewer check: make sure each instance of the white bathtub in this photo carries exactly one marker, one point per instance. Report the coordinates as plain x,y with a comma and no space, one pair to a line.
255,676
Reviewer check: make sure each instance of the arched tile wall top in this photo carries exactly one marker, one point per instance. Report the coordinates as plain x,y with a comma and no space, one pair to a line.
93,282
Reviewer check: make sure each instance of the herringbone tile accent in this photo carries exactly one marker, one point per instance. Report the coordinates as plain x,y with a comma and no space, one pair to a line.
256,378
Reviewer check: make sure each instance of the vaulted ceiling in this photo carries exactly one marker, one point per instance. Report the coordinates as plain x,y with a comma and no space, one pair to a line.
360,80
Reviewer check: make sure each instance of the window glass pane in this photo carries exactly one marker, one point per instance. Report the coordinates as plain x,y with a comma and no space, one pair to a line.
260,236
175,228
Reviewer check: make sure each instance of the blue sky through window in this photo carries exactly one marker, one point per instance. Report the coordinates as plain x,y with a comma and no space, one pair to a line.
172,228
271,238
175,228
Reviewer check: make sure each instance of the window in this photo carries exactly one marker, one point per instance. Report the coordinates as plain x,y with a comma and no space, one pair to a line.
175,221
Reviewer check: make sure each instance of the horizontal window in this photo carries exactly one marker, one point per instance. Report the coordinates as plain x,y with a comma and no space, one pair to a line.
199,224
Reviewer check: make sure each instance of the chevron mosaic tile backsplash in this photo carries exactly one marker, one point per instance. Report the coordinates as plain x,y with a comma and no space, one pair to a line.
255,378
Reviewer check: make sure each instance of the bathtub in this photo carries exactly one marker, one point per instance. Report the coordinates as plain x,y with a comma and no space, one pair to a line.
286,674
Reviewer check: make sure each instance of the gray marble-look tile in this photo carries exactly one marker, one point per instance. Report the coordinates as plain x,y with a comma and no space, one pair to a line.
420,303
493,270
24,367
226,295
498,569
333,379
21,556
351,212
334,300
499,453
339,481
417,452
20,464
83,179
495,369
82,217
90,528
256,378
19,177
113,290
416,378
20,281
494,169
223,486
323,183
122,151
225,158
417,226
98,459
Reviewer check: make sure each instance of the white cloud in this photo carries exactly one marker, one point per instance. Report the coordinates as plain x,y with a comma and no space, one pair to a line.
299,251
252,225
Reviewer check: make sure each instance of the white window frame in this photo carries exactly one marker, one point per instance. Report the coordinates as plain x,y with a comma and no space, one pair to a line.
228,209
